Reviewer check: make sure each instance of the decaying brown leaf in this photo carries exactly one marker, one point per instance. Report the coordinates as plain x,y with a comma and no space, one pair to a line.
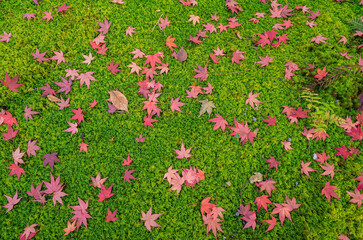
256,177
119,100
53,98
182,55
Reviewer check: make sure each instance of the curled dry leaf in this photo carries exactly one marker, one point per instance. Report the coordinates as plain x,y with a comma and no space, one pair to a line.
53,98
256,177
119,100
182,55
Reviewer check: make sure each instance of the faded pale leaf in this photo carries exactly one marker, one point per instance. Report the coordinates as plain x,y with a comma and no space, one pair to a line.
119,100
53,98
207,106
182,55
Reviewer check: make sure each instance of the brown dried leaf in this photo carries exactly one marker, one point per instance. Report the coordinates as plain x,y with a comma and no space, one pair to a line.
119,100
53,98
256,177
182,55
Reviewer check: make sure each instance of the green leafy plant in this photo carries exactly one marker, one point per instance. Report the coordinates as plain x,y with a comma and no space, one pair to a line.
356,24
324,112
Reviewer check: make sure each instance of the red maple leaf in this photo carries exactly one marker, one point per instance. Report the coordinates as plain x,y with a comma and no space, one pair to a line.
271,121
360,179
321,74
128,175
111,216
356,133
220,122
11,83
264,39
343,151
250,218
105,193
318,39
97,181
202,73
273,163
170,43
10,134
262,201
58,56
328,191
267,185
214,58
83,147
306,169
55,188
237,56
206,206
153,59
11,201
272,223
329,169
65,85
127,161
72,128
50,159
80,213
175,104
252,100
149,219
283,210
357,197
15,169
113,67
77,115
37,193
148,121
183,153
265,61
321,157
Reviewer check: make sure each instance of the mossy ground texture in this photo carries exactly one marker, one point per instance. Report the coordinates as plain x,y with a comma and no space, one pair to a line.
221,156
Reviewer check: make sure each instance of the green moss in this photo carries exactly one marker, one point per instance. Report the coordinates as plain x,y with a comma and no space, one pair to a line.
221,156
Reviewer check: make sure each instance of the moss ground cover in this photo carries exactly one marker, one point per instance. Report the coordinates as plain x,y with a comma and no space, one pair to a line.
221,156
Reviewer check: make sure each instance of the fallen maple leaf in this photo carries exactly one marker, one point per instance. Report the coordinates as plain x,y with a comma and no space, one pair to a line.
262,201
70,228
206,206
50,159
306,169
80,213
318,39
252,100
287,145
283,210
183,153
78,115
271,121
111,216
128,175
55,188
220,122
207,106
202,73
175,105
329,169
265,61
267,185
105,193
11,202
272,223
15,170
11,83
357,197
321,74
83,147
343,152
58,56
170,43
194,19
113,68
149,219
328,191
273,163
